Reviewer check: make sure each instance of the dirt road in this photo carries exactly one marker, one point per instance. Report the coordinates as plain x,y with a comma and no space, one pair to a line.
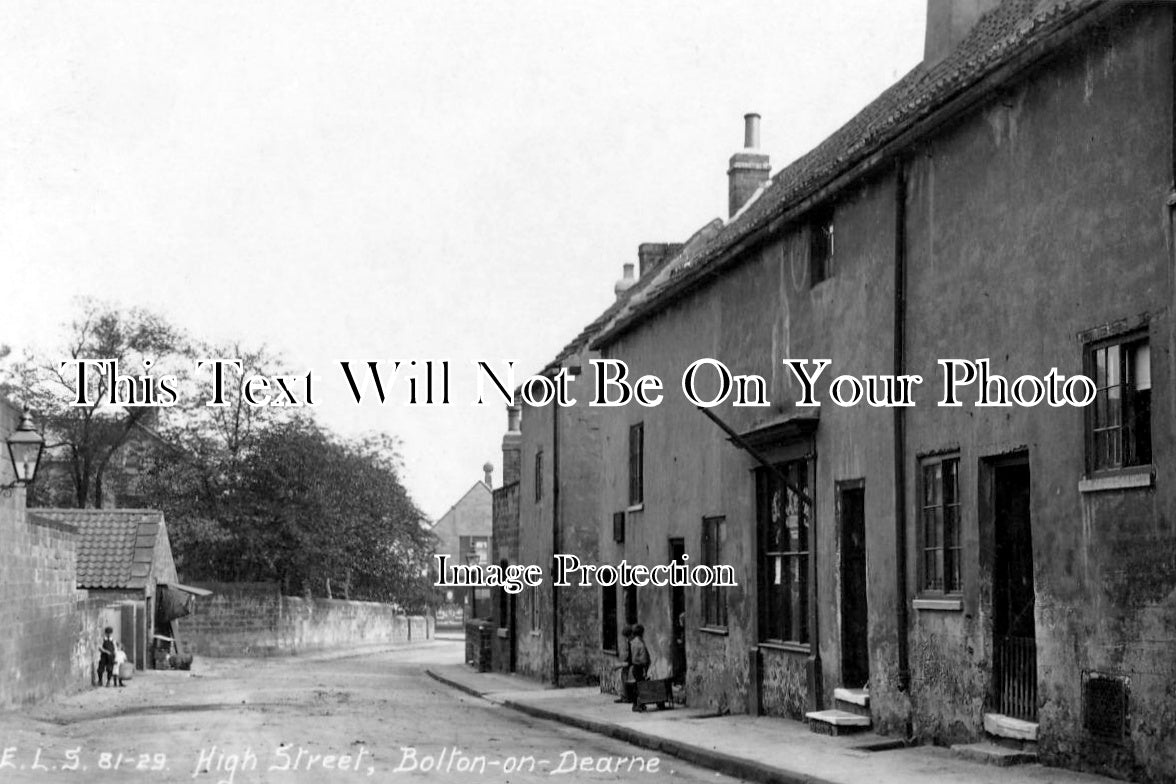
325,718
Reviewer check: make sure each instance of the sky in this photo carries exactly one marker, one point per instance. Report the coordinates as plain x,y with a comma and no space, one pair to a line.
384,180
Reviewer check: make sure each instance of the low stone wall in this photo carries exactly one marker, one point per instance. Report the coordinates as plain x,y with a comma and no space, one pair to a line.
254,619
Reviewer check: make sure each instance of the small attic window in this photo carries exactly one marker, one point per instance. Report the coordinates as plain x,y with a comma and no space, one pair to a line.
821,246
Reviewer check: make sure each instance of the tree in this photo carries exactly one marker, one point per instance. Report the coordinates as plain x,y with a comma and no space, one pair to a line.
83,440
316,513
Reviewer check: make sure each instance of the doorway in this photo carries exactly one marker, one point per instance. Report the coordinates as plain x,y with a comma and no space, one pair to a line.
1014,636
678,617
855,646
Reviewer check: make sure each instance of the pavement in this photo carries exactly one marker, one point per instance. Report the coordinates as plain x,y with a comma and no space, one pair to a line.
761,749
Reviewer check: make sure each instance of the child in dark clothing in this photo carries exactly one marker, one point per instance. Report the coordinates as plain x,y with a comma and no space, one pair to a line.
639,661
106,661
625,665
638,653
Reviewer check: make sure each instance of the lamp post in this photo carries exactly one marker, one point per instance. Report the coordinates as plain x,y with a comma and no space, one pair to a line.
24,450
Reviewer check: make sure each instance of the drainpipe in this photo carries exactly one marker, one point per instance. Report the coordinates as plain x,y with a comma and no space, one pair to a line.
555,544
900,524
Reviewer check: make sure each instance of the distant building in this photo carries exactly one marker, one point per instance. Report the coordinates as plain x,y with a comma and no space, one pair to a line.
463,534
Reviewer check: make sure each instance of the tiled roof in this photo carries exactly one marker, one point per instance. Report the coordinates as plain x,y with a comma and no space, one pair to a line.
616,308
998,37
115,546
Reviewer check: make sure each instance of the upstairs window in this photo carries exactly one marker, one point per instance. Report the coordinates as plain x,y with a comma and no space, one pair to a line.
821,246
637,464
1119,420
539,476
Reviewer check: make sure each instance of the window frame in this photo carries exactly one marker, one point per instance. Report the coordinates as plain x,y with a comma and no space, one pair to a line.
796,607
637,464
1132,406
937,585
714,598
822,245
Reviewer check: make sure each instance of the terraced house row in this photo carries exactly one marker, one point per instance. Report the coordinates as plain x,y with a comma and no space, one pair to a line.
944,573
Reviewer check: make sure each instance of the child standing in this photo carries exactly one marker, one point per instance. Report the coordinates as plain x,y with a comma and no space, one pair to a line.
120,658
106,660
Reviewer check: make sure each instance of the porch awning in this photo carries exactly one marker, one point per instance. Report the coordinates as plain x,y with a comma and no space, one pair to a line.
175,600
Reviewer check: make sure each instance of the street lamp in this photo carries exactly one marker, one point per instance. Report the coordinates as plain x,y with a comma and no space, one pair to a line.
24,450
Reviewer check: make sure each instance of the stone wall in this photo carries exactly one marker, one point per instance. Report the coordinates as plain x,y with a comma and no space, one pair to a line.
254,619
50,628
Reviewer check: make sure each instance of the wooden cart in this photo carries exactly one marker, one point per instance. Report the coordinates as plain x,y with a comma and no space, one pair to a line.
658,692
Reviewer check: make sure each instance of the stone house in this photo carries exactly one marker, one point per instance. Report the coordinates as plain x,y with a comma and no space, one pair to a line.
948,573
549,503
463,533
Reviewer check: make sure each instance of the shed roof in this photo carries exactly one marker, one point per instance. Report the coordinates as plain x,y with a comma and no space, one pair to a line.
116,547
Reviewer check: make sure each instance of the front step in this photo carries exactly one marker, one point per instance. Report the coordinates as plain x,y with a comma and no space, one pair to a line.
836,722
853,701
1007,727
993,754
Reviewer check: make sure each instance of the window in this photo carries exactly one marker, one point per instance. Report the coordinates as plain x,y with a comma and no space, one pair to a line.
539,476
630,604
821,247
940,524
714,602
608,618
783,522
474,549
619,527
1119,430
636,464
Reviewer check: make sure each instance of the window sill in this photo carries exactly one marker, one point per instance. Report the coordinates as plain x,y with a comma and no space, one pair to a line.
534,632
635,507
1135,477
790,647
939,605
716,630
503,633
610,651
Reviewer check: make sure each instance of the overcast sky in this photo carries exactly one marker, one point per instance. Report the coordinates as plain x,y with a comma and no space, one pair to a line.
390,180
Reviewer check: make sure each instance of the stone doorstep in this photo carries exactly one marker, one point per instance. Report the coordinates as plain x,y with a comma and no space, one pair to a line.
856,696
836,722
1008,727
852,701
993,754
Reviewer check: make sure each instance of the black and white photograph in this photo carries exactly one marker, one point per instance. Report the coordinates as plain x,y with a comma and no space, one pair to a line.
512,391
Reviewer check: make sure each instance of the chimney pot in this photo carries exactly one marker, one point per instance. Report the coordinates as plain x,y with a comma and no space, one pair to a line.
751,131
626,282
488,470
749,168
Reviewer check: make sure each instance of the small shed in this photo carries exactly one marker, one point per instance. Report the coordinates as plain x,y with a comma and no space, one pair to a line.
124,556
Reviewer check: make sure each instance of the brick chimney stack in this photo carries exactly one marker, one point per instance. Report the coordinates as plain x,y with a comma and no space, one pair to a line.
750,168
651,255
512,447
948,23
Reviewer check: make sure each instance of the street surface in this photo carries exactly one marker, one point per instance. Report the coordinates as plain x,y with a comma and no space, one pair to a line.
326,718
